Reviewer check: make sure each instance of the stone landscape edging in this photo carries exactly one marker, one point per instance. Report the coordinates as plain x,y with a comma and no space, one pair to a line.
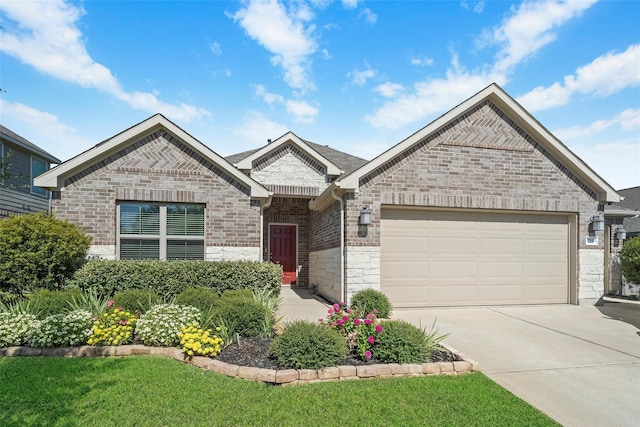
270,376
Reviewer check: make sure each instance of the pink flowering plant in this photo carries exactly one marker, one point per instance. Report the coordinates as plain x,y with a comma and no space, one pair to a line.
360,332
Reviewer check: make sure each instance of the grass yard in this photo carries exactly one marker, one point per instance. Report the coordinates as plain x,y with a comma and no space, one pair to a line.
154,391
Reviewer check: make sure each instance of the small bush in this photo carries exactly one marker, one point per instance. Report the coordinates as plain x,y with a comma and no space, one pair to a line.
168,279
369,300
245,317
306,345
135,299
48,303
201,298
161,325
630,260
39,251
114,327
235,294
199,342
62,330
15,327
401,342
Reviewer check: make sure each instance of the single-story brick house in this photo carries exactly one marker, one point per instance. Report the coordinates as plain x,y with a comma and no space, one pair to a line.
481,206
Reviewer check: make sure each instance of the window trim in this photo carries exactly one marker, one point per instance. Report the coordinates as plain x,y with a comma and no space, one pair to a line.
32,187
162,237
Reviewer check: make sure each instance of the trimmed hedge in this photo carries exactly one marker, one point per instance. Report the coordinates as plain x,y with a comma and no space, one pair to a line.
170,278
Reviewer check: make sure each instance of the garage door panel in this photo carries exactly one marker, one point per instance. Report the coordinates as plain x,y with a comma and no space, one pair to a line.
473,258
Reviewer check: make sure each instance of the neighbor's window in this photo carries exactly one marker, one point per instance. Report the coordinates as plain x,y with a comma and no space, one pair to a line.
38,167
158,231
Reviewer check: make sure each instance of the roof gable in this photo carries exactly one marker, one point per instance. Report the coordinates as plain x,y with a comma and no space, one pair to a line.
288,138
54,179
517,114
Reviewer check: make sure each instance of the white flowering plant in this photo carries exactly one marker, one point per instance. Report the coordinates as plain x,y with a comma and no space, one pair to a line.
62,330
14,328
161,325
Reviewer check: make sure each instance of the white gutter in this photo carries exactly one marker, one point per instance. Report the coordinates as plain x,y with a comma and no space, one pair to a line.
262,208
342,272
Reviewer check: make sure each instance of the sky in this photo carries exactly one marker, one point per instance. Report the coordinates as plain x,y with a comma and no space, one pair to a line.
359,76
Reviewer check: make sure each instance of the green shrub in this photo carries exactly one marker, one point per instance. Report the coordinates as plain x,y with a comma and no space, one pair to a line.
48,303
630,259
201,298
136,299
62,330
244,317
39,251
369,300
307,345
168,279
161,325
235,294
15,327
91,302
401,342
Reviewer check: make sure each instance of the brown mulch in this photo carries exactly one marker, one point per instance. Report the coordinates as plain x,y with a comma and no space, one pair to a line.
255,352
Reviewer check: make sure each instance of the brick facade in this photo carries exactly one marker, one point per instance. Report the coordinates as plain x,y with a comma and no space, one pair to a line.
159,168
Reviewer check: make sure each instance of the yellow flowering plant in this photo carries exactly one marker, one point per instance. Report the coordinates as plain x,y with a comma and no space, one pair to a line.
196,341
115,327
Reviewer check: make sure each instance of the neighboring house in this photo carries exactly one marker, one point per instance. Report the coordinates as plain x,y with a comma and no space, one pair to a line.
481,206
21,161
622,217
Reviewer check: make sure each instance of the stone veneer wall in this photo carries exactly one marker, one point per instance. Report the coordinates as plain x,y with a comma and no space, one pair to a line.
159,168
289,166
363,269
284,210
481,160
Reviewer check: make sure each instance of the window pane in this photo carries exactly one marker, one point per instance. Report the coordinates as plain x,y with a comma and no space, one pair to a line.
38,167
139,219
139,249
185,250
185,220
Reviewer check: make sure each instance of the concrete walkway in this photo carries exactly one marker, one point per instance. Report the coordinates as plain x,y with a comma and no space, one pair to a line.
580,365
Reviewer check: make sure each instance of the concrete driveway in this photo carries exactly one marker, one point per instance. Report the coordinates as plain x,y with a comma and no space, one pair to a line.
580,365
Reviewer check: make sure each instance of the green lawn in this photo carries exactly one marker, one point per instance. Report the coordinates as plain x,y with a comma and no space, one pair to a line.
155,391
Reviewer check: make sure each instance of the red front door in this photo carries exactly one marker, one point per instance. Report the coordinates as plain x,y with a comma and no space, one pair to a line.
283,246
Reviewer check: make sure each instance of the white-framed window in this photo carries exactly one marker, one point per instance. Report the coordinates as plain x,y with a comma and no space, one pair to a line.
160,231
38,167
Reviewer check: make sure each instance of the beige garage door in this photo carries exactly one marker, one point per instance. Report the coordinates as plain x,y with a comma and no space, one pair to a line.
456,258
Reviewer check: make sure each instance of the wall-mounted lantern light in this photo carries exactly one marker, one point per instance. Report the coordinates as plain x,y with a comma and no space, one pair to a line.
597,223
621,234
365,216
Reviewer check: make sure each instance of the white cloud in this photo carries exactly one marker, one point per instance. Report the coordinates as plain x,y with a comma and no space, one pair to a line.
301,111
283,33
617,162
257,128
359,78
477,7
530,27
326,54
389,89
628,120
45,35
350,4
607,74
422,61
370,17
215,48
46,130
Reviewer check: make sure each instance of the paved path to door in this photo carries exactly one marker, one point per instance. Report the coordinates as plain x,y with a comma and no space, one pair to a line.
580,365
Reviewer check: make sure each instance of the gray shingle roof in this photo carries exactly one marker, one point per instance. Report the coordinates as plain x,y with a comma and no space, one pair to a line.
347,162
14,138
631,201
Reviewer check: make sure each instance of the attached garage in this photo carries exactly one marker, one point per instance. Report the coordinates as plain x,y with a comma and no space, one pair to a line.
474,257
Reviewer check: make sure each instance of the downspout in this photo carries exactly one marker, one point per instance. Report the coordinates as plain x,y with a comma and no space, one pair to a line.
342,272
262,208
